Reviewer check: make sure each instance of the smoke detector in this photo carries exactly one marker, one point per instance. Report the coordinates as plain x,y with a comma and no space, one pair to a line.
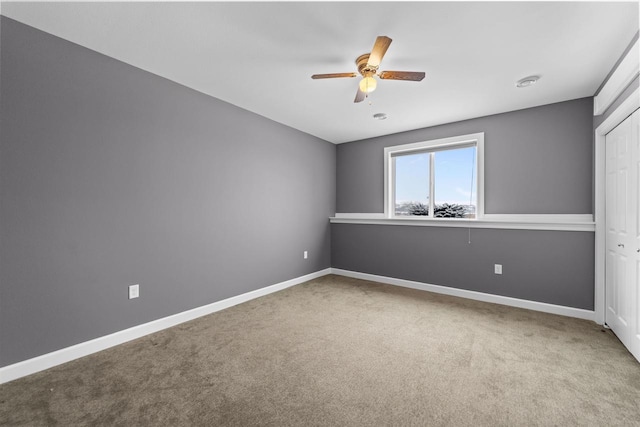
527,81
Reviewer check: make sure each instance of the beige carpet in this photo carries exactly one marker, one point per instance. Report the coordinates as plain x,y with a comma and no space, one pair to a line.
339,351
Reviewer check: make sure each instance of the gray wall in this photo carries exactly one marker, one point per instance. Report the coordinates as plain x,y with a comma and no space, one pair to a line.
554,267
537,161
112,176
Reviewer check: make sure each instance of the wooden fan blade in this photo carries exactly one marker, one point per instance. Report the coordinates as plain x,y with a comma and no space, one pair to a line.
333,76
360,96
414,76
379,49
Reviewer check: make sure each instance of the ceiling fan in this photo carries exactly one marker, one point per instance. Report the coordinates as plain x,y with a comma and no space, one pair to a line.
368,64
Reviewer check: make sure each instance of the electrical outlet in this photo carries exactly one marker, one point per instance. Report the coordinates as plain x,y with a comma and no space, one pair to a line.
305,254
498,269
134,291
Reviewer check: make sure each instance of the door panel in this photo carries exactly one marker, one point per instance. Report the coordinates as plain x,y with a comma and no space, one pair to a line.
623,229
615,212
611,296
622,286
621,198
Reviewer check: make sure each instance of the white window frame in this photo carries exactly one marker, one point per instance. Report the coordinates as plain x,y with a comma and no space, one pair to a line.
475,139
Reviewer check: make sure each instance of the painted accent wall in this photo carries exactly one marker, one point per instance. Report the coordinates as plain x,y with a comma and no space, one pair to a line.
111,176
537,161
554,267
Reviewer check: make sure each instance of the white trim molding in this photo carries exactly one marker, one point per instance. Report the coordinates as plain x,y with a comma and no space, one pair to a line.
360,215
570,222
542,218
49,360
627,70
478,296
628,106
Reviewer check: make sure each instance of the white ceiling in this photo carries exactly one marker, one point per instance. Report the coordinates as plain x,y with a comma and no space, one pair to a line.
260,56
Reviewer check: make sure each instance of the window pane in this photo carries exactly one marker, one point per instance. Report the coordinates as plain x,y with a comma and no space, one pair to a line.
455,187
412,184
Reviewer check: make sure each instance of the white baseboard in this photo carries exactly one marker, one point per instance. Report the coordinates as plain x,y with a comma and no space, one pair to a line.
49,360
479,296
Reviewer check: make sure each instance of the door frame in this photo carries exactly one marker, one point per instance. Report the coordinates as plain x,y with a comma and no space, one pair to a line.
624,110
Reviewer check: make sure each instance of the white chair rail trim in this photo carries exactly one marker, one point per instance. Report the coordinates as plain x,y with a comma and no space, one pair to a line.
559,222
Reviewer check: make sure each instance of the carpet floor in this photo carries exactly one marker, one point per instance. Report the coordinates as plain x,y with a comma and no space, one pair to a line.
337,351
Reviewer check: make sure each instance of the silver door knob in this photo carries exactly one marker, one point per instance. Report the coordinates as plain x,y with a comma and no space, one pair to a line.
620,245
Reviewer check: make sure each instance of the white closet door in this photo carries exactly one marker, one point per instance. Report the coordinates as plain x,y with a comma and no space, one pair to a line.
635,245
623,229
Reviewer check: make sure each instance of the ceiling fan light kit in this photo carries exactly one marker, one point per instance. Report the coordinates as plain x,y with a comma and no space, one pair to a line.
368,64
368,84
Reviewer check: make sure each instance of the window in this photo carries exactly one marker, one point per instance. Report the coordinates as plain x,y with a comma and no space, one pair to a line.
435,179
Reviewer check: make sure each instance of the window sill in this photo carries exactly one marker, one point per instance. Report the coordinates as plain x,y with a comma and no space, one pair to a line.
513,222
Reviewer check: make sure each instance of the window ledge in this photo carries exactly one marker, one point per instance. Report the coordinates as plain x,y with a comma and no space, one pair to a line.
571,222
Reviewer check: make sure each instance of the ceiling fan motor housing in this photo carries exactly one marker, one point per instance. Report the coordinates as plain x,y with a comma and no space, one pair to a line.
363,68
